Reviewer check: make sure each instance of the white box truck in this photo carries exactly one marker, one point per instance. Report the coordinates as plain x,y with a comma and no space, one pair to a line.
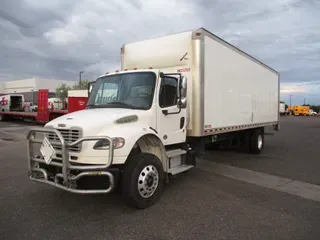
152,118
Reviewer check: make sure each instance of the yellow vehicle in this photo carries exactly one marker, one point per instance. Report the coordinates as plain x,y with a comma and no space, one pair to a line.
298,110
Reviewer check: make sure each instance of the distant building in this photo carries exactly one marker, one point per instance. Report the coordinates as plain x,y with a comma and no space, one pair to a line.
29,87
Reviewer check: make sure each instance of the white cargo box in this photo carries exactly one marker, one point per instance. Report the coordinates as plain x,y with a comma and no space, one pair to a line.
228,90
78,93
11,102
282,107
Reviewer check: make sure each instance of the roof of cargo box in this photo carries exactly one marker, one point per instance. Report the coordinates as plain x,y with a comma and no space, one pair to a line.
215,37
218,39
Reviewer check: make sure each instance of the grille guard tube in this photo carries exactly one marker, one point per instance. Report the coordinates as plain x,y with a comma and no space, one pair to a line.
65,165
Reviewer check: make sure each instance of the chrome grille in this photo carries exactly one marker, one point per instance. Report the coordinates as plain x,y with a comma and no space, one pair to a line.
69,135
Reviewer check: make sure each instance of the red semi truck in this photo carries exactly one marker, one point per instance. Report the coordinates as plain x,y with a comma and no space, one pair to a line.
45,113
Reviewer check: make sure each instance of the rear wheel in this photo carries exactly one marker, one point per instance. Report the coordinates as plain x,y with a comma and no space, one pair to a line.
256,141
142,180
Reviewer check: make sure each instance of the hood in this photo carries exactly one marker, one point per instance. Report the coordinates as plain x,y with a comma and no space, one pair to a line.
93,118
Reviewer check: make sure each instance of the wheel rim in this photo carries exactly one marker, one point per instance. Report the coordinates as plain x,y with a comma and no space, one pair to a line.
148,181
260,141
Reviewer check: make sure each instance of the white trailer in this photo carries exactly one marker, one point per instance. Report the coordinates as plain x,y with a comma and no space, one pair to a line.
12,102
167,106
282,108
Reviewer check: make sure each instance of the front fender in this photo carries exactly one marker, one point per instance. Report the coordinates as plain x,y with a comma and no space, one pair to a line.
130,132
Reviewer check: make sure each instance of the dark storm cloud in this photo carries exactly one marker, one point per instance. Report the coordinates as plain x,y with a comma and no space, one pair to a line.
60,38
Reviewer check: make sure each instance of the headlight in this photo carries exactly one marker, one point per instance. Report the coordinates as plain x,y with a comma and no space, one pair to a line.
103,144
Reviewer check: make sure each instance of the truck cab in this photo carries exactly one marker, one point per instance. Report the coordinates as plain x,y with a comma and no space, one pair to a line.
150,97
123,133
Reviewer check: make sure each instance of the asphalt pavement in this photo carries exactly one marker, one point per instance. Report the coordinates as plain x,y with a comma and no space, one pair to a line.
202,204
292,152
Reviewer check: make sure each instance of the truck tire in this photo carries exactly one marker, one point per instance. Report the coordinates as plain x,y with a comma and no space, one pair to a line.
142,180
256,141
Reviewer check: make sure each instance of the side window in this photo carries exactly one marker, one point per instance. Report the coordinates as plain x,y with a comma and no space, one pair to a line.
168,92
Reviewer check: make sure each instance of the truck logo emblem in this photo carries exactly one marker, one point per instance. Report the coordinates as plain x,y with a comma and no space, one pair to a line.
184,57
4,101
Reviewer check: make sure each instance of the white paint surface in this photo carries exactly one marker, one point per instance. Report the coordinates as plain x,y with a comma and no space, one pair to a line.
238,91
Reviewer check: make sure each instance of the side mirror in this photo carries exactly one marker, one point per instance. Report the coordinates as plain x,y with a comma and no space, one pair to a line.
182,92
183,103
183,87
90,87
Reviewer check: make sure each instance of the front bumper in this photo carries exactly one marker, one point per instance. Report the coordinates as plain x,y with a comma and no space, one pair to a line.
67,175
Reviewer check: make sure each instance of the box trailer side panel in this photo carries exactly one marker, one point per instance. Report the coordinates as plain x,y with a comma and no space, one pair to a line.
238,91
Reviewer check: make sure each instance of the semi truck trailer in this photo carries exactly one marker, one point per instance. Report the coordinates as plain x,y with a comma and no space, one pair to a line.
154,117
282,109
45,110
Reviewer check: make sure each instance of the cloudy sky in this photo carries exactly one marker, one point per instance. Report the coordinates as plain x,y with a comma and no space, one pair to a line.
59,38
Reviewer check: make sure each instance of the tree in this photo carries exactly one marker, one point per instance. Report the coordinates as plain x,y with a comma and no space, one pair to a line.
315,108
62,91
83,86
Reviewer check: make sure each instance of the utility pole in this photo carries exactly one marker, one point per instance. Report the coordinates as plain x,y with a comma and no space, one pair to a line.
304,101
32,96
290,100
80,78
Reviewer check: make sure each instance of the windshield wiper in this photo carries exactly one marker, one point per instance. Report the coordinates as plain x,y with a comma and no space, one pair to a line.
122,103
110,103
91,106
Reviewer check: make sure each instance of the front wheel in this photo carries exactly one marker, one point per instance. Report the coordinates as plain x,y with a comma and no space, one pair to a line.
143,180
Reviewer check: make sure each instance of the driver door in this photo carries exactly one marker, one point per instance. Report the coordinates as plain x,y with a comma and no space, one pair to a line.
171,120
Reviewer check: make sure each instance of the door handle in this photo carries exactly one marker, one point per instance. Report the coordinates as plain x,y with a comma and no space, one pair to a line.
182,120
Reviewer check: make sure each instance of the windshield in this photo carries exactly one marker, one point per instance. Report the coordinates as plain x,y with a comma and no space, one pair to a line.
126,90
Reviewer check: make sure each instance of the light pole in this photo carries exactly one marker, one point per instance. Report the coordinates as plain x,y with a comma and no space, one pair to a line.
290,112
80,78
32,96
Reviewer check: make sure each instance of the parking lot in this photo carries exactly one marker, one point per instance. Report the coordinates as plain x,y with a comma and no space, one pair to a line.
229,195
